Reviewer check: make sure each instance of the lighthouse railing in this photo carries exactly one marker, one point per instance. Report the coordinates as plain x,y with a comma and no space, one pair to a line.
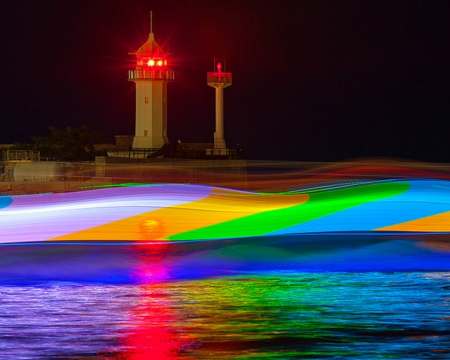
142,74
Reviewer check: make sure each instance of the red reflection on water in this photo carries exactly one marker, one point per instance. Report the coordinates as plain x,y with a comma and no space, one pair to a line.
155,334
153,330
153,263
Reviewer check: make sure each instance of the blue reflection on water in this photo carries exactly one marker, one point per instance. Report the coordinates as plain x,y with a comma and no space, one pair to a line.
125,263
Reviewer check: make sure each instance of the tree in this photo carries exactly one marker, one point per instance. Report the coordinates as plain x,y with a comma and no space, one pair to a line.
70,144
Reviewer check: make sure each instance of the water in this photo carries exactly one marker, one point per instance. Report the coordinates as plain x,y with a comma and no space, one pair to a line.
192,272
278,314
329,296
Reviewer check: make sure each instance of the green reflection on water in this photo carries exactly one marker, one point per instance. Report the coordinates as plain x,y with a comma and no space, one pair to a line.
309,316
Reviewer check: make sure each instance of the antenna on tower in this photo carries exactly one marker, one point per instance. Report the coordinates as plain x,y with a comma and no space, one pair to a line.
151,22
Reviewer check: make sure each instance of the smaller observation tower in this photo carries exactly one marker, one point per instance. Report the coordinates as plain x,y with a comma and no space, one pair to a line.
219,80
151,75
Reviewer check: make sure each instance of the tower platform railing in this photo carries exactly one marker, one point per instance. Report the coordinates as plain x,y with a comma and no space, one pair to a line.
218,78
142,74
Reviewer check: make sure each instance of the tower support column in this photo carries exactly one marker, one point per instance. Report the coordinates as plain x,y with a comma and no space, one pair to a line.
219,140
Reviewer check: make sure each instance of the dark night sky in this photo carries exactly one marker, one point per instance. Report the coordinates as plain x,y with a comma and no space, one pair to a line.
312,80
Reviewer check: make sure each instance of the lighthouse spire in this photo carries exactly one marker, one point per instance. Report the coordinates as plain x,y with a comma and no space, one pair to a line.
150,35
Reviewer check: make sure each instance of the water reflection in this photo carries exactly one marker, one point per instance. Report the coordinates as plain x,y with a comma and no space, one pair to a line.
251,316
149,263
154,332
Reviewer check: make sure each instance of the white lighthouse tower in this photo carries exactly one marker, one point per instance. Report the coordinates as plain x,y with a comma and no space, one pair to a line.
219,80
151,76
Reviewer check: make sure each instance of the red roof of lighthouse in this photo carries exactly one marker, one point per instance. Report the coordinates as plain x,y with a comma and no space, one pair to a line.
149,48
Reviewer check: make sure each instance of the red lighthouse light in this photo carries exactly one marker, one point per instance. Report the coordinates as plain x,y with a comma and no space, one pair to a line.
154,62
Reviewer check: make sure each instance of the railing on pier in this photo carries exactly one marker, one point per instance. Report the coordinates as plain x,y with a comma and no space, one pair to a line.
22,155
132,153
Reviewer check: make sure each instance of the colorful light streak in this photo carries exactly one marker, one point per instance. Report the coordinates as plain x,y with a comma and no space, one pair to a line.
163,232
173,213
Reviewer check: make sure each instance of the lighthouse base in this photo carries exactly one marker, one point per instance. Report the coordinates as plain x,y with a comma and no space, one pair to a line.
147,142
219,143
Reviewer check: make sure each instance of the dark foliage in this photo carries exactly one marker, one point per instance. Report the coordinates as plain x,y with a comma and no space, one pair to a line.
70,144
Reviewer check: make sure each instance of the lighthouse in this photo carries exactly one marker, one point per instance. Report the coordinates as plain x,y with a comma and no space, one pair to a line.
219,80
151,75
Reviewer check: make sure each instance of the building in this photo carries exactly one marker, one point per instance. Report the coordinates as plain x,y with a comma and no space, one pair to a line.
151,76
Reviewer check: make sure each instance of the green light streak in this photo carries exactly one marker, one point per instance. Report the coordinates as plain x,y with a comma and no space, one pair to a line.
320,203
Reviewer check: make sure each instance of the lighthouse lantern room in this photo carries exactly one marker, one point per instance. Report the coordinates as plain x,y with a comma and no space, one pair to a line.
151,75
